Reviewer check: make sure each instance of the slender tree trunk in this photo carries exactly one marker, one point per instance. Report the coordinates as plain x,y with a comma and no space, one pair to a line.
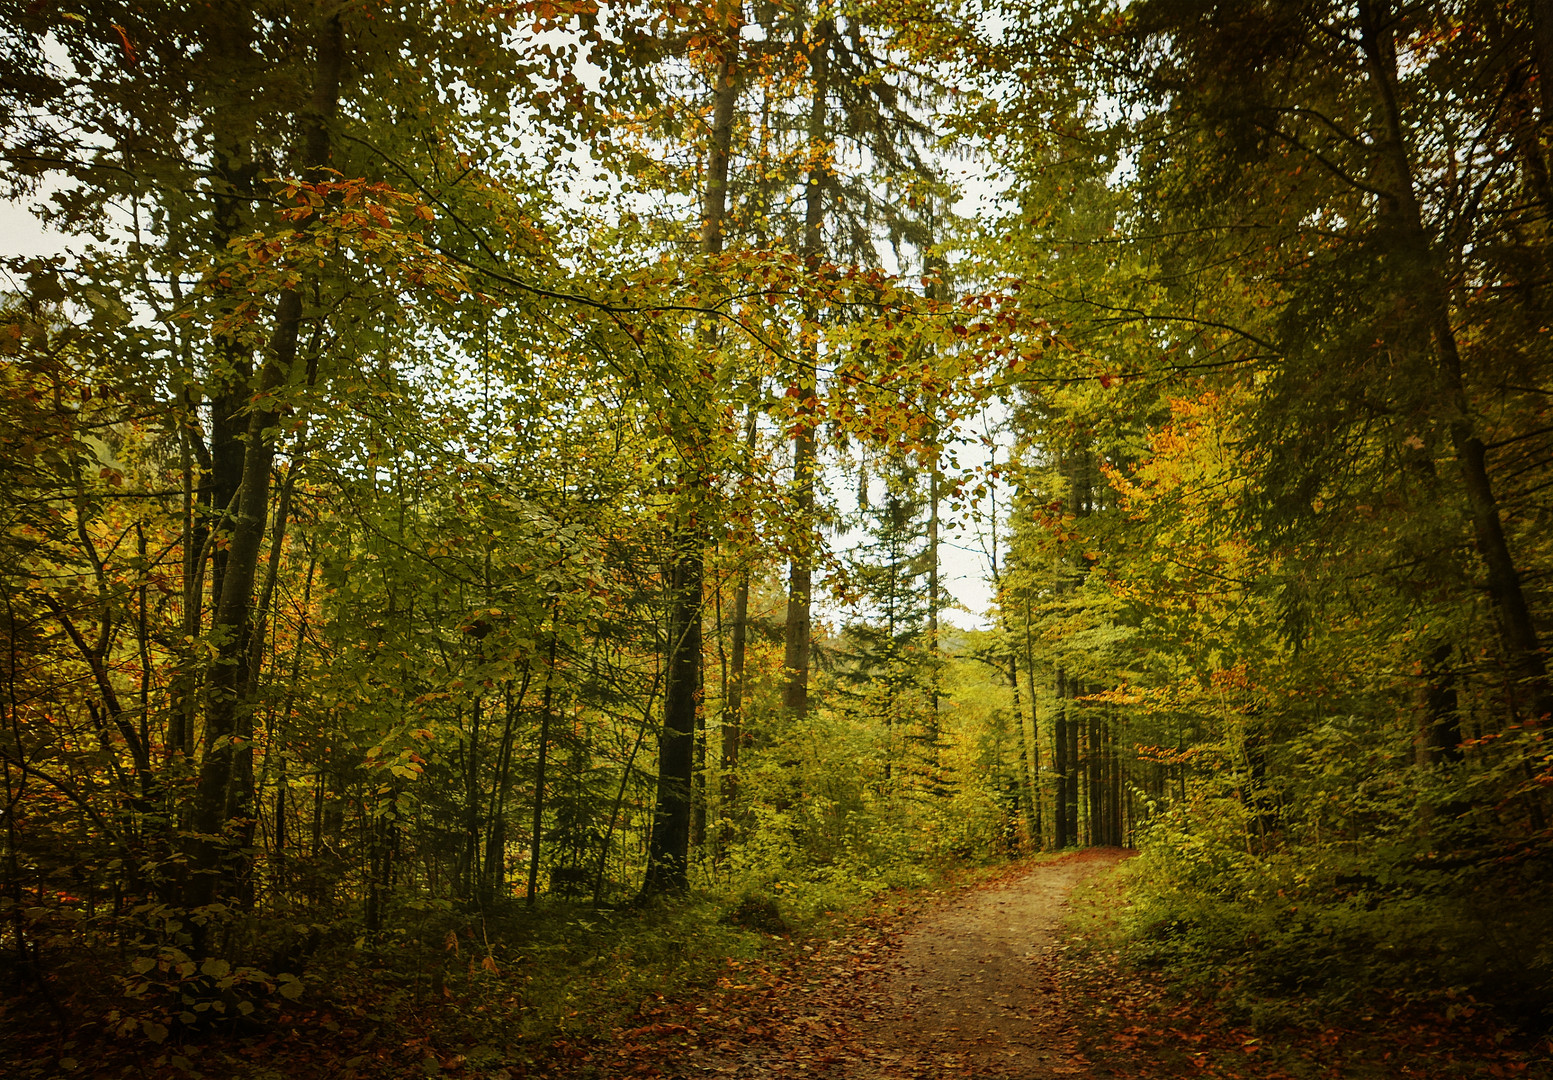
698,795
278,729
733,701
501,788
469,860
1518,632
932,618
1097,786
1027,793
1542,36
1117,829
620,793
668,855
1034,779
180,735
933,266
232,622
546,708
1061,838
1075,725
795,697
733,713
1439,734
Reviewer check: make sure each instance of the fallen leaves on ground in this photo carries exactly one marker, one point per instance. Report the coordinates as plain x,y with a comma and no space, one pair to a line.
1130,1023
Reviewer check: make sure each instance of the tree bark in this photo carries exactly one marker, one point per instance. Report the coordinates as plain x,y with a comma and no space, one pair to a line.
668,855
1439,734
1075,723
1097,784
800,587
546,708
1061,837
1518,632
1032,826
733,701
1542,38
1034,779
231,625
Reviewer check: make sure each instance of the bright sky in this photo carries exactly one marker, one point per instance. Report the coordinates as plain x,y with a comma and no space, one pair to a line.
22,234
963,572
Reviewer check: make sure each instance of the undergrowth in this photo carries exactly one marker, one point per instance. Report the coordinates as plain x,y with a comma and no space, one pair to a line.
510,990
1196,1008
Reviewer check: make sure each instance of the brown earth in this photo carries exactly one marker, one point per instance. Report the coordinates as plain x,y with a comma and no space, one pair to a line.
958,992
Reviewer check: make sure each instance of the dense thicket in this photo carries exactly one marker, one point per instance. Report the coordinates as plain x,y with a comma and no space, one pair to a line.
1288,483
421,482
413,490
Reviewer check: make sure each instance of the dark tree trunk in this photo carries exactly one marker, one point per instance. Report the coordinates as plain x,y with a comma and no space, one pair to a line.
1075,722
1026,789
1061,837
1034,779
796,656
1097,785
668,852
1439,734
546,708
1518,632
214,866
733,700
1117,829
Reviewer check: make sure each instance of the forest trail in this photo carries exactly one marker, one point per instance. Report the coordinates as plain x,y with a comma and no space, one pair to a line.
957,992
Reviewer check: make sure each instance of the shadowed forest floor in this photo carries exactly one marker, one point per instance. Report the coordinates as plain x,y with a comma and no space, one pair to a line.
960,991
1003,980
1007,975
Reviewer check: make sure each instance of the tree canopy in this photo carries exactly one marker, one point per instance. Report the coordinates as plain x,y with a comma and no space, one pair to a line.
477,465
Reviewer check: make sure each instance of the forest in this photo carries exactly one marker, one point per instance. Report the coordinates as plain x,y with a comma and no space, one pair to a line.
480,488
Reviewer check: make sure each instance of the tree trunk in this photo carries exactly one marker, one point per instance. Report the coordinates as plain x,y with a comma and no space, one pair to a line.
1439,731
932,618
795,697
1116,787
1097,786
733,701
1032,828
1518,633
1061,838
547,706
1075,723
1542,36
232,623
1034,779
668,854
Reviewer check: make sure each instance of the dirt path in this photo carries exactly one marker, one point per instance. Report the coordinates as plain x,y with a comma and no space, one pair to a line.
956,993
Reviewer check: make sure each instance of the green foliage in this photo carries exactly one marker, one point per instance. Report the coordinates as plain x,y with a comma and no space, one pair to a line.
396,507
1364,898
1267,500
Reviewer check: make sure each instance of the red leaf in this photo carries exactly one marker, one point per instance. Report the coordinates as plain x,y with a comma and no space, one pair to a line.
129,50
